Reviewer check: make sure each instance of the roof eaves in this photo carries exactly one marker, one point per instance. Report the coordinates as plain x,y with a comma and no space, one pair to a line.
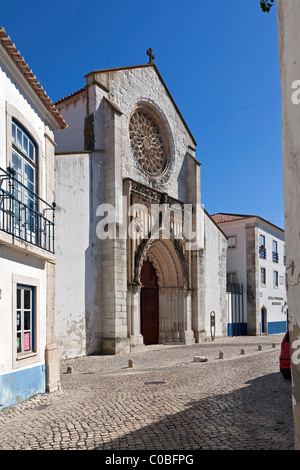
23,67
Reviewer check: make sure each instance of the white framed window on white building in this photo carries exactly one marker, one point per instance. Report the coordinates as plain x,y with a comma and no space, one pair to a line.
275,251
24,162
25,310
275,278
25,314
263,276
231,243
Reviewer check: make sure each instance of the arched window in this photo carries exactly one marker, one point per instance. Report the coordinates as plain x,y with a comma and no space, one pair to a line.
24,162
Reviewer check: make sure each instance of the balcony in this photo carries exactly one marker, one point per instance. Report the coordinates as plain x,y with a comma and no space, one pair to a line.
23,214
275,257
262,252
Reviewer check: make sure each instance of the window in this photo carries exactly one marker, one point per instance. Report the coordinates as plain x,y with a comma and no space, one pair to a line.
262,241
262,247
275,280
231,278
25,319
231,242
24,162
275,251
263,276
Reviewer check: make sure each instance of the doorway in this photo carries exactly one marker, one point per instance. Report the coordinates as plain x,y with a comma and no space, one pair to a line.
264,328
149,304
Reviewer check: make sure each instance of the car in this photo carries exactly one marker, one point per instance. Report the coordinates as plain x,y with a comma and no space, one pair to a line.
285,357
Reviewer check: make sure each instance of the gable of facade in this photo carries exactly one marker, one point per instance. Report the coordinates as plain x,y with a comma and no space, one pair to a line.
132,154
28,353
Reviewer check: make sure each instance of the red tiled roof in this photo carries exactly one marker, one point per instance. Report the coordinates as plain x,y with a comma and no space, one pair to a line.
16,57
222,218
70,96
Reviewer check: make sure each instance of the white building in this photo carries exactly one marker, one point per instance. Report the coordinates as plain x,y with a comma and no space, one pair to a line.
127,145
256,268
28,356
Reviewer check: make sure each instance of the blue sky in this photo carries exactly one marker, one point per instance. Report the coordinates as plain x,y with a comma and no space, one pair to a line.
219,60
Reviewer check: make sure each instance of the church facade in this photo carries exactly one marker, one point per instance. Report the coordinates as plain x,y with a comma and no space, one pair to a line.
138,259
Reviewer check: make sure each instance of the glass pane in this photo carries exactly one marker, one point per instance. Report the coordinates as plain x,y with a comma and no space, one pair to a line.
19,348
19,321
19,138
18,298
26,341
17,163
27,299
31,151
27,315
13,133
25,144
29,173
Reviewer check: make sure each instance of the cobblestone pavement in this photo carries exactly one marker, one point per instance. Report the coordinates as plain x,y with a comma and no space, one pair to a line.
165,402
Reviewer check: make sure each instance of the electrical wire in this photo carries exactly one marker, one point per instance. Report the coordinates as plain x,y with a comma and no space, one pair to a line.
236,111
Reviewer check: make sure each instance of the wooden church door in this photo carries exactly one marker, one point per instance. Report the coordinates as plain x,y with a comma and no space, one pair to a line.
149,304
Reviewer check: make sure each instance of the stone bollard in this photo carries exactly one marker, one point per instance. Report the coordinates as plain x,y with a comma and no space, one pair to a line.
221,355
243,351
130,363
69,370
259,347
200,359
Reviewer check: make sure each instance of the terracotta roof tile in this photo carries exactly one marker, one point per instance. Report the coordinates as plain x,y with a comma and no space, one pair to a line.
70,96
29,76
222,218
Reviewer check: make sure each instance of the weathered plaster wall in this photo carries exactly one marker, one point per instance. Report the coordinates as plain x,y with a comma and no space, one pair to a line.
215,248
289,43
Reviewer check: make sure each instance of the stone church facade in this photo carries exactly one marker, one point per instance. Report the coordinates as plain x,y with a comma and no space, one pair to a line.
138,259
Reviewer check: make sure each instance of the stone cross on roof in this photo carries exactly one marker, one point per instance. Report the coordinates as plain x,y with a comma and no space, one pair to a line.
151,56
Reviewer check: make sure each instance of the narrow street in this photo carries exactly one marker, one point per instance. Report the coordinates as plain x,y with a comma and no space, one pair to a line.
166,401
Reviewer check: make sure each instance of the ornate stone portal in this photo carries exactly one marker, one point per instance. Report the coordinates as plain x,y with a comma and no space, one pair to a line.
172,265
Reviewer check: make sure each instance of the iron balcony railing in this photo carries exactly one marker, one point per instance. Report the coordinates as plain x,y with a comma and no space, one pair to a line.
275,257
262,252
24,214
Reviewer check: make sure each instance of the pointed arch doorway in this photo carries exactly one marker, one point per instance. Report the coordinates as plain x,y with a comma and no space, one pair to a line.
149,304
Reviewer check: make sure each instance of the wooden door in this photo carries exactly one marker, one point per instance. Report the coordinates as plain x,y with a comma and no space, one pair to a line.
149,304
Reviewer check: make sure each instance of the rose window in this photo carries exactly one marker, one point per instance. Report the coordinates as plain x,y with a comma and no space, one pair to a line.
147,143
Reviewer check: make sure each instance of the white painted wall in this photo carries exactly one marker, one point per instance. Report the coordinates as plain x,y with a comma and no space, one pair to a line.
236,262
215,276
72,242
14,262
71,139
268,293
11,94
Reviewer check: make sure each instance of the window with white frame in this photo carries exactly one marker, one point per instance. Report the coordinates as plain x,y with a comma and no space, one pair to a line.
275,278
231,241
25,320
24,162
262,240
263,276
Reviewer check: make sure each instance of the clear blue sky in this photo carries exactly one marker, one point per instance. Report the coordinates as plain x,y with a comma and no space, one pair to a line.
215,57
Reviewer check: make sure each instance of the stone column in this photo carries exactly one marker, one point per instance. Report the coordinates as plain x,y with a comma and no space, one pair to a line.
134,317
253,310
51,351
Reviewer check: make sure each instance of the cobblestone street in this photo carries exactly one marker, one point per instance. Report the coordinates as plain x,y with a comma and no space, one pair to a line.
166,401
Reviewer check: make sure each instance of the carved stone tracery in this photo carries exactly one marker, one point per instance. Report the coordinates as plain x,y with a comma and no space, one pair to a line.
148,143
